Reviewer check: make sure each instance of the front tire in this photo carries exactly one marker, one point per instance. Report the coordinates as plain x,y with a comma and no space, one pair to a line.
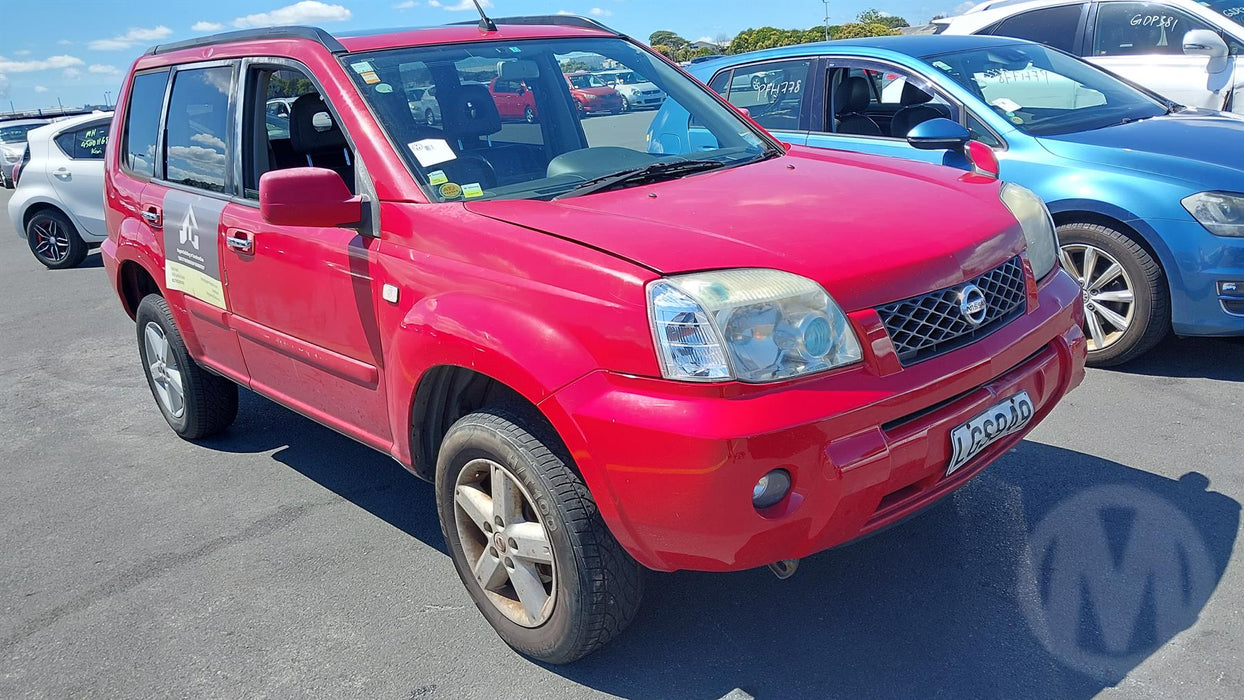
527,541
529,115
626,104
1127,307
54,240
429,117
195,402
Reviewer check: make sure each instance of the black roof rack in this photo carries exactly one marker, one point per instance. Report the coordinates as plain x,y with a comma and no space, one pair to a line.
316,34
557,20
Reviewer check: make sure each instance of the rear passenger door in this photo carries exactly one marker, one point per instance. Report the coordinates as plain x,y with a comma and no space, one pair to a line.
303,299
776,95
78,175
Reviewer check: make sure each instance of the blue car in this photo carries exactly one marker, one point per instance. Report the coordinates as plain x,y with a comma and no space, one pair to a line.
1148,195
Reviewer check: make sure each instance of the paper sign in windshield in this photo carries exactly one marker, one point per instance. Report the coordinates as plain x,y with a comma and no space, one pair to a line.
431,152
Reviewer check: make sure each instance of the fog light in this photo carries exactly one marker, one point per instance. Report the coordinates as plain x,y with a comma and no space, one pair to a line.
771,488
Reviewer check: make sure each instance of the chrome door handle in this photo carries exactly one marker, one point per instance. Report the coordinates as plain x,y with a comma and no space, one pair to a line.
153,217
242,244
62,173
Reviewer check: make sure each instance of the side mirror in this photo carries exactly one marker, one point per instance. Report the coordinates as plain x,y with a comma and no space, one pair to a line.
313,197
1204,42
939,134
522,89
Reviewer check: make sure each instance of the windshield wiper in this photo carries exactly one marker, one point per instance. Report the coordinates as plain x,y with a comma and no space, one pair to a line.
638,176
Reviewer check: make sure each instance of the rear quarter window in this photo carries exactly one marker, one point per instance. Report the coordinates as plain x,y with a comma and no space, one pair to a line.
84,144
142,122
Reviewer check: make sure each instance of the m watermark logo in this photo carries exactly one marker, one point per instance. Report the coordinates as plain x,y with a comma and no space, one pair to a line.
1110,575
187,232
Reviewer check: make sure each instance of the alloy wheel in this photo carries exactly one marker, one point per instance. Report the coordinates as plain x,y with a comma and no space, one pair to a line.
505,541
166,375
51,240
1108,292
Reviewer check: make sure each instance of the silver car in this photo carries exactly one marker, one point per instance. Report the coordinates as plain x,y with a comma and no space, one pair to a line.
59,203
13,144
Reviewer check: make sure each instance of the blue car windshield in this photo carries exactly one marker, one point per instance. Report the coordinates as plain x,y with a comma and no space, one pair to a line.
1231,9
1044,92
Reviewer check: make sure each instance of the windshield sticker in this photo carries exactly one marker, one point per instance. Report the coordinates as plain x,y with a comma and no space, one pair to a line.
431,152
437,177
369,77
191,233
450,190
362,67
384,88
942,66
1008,105
472,190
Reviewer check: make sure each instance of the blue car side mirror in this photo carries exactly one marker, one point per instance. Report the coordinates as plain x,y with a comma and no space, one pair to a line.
939,134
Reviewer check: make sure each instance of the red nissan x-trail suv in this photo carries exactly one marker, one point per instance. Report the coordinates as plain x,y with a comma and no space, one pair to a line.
606,354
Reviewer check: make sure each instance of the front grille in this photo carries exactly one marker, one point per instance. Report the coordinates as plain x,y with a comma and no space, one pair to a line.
928,325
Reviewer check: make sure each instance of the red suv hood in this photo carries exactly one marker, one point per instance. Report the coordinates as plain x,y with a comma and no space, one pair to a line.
870,229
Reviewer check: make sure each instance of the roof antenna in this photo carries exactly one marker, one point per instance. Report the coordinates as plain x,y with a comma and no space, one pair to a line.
485,24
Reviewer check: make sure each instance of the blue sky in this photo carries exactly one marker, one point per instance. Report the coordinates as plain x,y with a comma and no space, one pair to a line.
75,50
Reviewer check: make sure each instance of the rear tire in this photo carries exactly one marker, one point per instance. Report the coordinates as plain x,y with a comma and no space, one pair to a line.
54,240
553,606
429,117
208,403
1127,304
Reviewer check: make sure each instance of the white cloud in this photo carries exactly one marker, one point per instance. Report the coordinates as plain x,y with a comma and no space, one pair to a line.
72,73
304,12
32,65
65,42
565,13
40,88
598,12
101,69
205,26
23,52
135,35
405,5
209,141
964,7
460,6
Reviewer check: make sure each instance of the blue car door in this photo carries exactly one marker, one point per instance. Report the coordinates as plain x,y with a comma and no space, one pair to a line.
869,107
777,94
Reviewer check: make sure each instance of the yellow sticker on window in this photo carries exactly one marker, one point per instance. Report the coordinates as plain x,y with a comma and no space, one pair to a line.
437,177
369,77
472,190
450,190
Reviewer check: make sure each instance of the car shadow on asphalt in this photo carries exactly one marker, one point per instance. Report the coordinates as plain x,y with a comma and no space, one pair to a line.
1104,562
1209,358
368,479
1052,574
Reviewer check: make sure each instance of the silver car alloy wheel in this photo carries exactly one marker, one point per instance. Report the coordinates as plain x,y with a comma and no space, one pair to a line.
166,375
51,240
1109,297
505,542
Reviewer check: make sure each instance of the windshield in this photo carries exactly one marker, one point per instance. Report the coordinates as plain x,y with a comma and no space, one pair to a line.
510,127
16,134
1231,9
1044,92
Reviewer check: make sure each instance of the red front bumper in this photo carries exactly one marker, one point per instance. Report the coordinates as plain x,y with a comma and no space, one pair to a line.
672,465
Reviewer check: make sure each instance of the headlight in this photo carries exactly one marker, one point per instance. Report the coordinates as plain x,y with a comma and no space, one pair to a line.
753,325
591,96
1037,224
1222,213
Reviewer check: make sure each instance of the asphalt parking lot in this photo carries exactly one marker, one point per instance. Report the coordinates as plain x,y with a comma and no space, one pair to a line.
282,559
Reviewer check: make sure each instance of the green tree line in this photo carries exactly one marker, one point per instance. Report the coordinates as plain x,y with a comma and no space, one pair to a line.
867,23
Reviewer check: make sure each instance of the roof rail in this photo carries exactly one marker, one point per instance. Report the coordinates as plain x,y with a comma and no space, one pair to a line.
557,20
315,34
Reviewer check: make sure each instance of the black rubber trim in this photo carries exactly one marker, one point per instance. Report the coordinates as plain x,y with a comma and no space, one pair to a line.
315,34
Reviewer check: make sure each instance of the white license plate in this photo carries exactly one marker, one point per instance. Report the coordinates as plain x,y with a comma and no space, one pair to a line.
1005,418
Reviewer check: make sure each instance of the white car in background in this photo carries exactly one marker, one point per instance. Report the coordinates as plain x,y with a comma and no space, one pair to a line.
423,104
1184,50
13,144
59,203
636,91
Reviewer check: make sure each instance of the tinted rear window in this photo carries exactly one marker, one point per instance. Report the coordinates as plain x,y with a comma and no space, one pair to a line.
197,128
142,122
85,144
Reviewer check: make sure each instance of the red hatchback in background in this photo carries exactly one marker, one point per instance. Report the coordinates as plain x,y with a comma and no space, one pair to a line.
607,354
591,94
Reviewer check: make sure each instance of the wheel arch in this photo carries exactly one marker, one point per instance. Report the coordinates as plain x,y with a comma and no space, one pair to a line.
133,283
1101,214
